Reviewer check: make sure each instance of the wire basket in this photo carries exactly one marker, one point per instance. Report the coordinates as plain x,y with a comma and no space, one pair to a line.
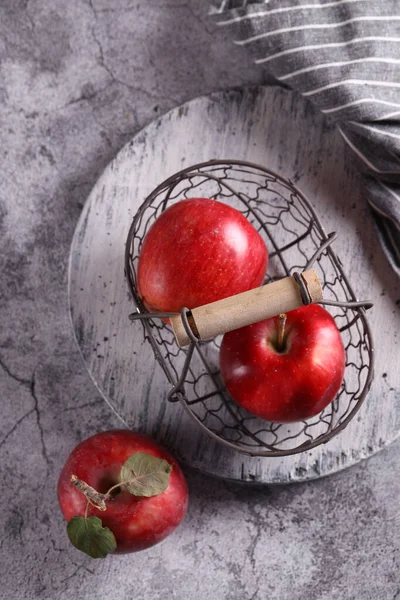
296,240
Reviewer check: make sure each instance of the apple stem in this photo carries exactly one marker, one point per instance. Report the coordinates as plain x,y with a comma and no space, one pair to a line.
114,487
281,332
86,509
93,496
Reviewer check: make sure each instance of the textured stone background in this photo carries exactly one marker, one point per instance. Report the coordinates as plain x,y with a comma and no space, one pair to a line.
77,79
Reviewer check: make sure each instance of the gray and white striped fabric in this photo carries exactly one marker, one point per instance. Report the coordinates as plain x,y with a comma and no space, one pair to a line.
344,56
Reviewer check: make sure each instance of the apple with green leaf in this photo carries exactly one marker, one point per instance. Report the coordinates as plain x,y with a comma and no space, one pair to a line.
120,492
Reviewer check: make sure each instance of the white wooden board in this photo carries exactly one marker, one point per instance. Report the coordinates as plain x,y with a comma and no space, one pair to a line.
280,130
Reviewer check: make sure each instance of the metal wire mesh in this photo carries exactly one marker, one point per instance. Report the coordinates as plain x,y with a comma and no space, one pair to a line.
293,234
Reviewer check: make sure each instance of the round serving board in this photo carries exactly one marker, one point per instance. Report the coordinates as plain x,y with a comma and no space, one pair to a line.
277,129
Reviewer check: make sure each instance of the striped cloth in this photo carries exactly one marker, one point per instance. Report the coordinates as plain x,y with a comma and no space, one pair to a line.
344,55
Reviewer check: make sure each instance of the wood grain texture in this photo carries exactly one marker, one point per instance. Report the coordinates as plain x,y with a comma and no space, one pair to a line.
247,308
278,129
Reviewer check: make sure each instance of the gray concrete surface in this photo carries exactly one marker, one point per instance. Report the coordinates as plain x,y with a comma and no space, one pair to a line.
77,79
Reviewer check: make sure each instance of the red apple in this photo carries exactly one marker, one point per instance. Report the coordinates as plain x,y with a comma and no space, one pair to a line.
137,522
285,382
198,251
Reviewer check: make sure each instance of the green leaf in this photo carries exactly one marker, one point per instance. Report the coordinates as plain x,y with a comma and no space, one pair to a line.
89,536
145,475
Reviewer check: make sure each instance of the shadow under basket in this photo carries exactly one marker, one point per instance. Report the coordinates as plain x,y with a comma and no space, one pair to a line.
296,241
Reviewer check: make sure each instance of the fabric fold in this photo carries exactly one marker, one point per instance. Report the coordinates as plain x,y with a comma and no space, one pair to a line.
344,57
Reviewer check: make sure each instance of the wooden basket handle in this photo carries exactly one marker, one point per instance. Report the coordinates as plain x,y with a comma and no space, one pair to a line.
216,318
